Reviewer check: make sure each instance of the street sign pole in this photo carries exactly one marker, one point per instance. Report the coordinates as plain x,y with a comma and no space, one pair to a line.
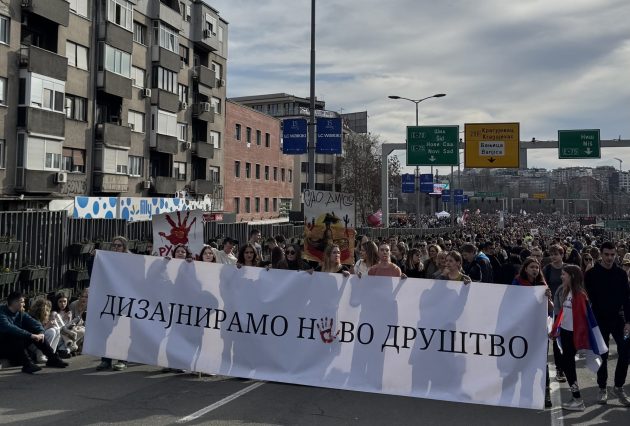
452,200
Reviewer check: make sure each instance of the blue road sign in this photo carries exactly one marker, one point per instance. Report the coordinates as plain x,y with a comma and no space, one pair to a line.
465,199
426,183
446,195
408,183
459,196
294,135
328,136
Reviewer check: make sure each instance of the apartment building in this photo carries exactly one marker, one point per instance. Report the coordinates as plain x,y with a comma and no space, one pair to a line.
110,98
258,177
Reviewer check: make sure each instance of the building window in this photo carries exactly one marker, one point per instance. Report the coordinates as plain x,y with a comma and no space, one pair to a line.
248,205
3,153
266,172
282,174
165,37
3,91
215,139
166,123
182,92
211,24
237,205
237,168
275,173
164,79
184,9
257,171
257,204
5,26
135,120
136,166
41,154
258,137
116,61
267,140
120,12
275,204
179,170
182,132
114,160
266,204
216,104
139,33
137,76
76,108
184,54
238,132
80,7
77,55
290,175
215,174
248,134
217,72
248,170
73,160
45,92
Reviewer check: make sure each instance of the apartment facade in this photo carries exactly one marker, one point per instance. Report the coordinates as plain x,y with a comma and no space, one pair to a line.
259,177
111,98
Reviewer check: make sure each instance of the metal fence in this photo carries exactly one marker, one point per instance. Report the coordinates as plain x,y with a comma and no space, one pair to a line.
46,239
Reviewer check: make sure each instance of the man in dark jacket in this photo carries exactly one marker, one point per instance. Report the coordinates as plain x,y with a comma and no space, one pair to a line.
476,265
607,288
18,330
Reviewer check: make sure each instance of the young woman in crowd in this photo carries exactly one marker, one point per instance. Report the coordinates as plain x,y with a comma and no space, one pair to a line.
587,262
440,261
414,267
430,265
40,310
72,329
368,258
453,268
332,261
207,255
247,256
293,259
399,254
385,267
180,251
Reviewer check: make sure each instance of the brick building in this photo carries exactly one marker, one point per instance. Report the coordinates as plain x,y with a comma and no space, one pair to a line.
258,176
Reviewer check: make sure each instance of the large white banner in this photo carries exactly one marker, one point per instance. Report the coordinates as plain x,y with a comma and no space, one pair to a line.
480,343
180,227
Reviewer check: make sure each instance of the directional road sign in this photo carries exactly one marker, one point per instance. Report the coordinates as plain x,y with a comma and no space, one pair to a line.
446,196
579,144
617,224
426,183
432,145
459,196
491,145
408,183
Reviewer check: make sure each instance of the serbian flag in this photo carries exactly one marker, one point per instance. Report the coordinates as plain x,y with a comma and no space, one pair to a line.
587,338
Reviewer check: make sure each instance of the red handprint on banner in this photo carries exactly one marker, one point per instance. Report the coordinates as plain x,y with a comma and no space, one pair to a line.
179,232
326,332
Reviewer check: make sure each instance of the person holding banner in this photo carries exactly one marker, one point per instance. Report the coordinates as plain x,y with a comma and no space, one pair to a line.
293,259
180,251
225,256
207,255
385,267
247,256
453,268
368,257
414,267
332,261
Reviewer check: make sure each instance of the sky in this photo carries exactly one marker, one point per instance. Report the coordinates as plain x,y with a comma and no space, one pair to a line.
549,65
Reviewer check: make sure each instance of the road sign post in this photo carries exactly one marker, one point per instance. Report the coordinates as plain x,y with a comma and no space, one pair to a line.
579,144
432,145
492,145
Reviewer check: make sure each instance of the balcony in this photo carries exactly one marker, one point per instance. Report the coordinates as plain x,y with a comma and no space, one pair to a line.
116,36
166,101
166,59
110,183
165,185
170,16
114,84
165,144
203,150
57,11
42,121
203,111
113,135
203,187
205,76
40,181
44,62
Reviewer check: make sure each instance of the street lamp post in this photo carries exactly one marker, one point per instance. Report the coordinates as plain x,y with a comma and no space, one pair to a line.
417,184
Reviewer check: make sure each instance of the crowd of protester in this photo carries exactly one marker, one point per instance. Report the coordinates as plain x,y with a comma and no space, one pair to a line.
575,266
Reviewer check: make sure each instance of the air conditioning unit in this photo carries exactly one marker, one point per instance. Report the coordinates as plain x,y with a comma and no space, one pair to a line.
187,145
207,33
61,177
222,82
146,184
182,106
204,106
145,93
181,65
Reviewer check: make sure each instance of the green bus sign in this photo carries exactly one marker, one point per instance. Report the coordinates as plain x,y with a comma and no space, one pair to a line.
432,145
579,144
617,224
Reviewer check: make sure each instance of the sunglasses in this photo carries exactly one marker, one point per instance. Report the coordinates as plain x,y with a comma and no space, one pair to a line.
290,252
117,245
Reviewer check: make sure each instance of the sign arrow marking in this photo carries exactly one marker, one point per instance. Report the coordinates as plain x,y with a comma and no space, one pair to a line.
432,159
491,159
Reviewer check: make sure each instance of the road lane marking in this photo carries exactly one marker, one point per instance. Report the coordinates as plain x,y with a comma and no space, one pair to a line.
220,403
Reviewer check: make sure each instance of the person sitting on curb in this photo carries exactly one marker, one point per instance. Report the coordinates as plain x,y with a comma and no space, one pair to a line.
18,330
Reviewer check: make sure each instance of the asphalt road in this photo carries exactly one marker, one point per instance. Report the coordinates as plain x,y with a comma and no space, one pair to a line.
143,395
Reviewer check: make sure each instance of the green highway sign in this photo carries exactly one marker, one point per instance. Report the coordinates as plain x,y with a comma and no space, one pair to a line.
579,144
488,194
617,224
432,145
